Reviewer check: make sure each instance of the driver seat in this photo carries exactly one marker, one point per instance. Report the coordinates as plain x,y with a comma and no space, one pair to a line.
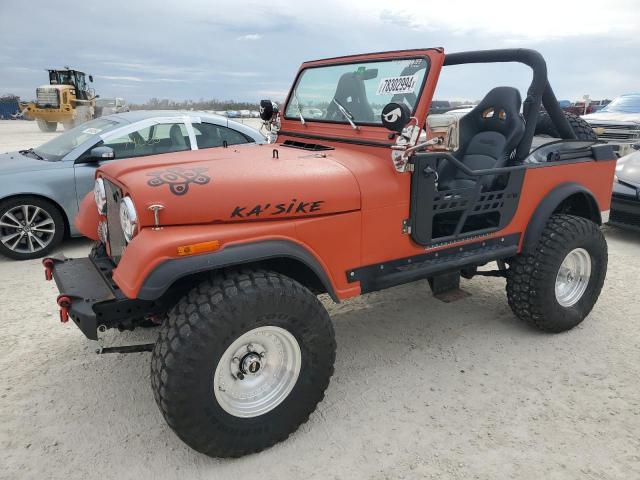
178,142
488,135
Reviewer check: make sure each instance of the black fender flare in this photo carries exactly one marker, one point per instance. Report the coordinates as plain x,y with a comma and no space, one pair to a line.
549,204
168,272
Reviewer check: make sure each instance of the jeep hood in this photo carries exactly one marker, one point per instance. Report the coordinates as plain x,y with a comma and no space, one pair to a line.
612,117
247,183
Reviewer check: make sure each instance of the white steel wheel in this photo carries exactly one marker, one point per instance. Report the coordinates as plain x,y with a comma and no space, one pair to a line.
257,372
573,277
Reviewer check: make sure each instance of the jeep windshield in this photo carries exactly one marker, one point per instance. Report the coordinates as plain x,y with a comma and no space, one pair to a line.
56,148
355,93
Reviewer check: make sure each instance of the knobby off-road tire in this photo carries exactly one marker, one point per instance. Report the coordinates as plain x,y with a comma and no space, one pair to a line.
275,313
45,126
531,279
580,126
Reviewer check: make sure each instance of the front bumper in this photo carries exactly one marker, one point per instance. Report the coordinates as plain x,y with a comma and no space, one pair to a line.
625,211
93,301
80,281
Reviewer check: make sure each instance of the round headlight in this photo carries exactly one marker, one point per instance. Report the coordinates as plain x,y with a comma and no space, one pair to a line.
128,218
100,195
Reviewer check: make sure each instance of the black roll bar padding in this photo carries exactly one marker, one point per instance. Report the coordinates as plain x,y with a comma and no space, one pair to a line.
539,91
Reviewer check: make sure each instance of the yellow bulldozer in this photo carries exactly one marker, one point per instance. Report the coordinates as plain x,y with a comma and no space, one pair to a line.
67,100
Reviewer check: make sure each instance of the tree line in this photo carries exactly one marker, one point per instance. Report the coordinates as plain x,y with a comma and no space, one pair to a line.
202,104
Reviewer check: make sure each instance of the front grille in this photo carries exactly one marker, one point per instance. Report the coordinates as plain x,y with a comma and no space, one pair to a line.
47,97
622,132
117,242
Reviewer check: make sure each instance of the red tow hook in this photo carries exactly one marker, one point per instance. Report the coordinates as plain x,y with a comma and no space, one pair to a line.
48,268
64,303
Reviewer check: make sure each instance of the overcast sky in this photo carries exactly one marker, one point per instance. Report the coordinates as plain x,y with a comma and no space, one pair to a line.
248,50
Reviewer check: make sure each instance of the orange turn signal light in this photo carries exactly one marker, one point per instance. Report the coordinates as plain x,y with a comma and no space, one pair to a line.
199,248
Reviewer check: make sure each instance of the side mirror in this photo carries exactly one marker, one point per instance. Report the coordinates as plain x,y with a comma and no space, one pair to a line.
100,154
268,110
395,116
91,78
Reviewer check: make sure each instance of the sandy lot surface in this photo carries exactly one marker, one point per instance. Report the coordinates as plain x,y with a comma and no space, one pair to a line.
422,389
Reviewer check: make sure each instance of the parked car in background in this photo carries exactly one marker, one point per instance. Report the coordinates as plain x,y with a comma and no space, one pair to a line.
109,106
255,114
598,105
618,122
232,114
312,112
579,108
439,106
625,202
42,187
245,113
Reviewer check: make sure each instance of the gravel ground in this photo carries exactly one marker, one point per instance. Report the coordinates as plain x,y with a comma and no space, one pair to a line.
422,389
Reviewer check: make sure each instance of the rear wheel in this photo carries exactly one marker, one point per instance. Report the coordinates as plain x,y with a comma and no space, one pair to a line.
241,361
45,126
30,227
581,127
556,284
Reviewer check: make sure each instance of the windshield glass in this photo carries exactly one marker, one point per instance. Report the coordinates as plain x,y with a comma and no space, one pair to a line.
356,92
59,146
624,104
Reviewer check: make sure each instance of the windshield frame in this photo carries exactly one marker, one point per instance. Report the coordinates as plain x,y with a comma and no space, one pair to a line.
354,61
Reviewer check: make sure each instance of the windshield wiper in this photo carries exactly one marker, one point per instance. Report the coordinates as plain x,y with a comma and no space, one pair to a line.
32,152
295,97
346,113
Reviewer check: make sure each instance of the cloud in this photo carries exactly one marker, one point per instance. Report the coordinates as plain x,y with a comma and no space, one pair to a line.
210,49
250,36
240,74
120,78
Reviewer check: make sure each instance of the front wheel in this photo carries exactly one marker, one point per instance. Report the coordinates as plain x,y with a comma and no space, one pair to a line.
45,126
242,360
557,283
30,227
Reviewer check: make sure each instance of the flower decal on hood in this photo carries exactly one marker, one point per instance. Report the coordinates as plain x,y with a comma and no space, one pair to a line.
179,178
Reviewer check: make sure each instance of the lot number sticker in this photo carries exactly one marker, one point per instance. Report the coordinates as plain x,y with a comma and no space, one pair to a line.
92,131
394,85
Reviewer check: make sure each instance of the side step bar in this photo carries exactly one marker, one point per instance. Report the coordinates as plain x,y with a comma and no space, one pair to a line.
396,272
145,347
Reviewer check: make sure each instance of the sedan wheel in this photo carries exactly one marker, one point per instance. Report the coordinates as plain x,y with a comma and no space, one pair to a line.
29,228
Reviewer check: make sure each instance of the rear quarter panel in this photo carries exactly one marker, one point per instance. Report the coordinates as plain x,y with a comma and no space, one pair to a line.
595,176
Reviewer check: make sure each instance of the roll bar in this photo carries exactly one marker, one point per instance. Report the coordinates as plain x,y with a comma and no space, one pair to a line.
539,93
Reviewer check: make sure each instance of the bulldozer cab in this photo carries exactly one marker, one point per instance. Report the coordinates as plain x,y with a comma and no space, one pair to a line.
74,78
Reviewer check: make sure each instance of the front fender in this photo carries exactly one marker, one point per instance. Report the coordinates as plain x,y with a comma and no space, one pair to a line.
150,263
55,185
168,272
